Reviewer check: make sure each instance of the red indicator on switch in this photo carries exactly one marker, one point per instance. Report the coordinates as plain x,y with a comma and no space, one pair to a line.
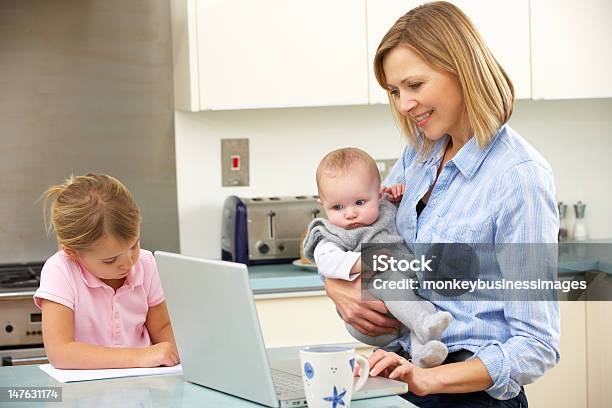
235,162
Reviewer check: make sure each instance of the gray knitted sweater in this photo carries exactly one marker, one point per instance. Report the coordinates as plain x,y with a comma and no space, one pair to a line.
382,231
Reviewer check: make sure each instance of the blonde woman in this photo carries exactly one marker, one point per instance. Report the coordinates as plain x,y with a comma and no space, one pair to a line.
469,178
101,298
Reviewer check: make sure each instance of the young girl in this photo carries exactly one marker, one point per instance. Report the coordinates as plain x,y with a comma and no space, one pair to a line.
100,295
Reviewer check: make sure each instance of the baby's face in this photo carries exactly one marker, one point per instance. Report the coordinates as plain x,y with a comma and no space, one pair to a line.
351,200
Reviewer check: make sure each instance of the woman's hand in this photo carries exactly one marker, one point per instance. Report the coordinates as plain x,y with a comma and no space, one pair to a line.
390,365
160,354
369,317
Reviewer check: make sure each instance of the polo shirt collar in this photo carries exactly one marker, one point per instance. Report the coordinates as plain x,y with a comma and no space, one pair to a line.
89,278
133,279
136,276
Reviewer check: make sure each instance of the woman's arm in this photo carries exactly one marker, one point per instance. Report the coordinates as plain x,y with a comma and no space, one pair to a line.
64,352
526,212
467,376
369,317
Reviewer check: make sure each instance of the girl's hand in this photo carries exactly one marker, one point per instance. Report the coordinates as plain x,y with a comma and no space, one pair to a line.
395,367
395,192
160,354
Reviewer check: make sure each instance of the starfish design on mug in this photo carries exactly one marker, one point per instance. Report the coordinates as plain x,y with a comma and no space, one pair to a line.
336,399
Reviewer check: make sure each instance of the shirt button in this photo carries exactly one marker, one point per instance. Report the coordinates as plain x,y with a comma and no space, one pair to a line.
116,315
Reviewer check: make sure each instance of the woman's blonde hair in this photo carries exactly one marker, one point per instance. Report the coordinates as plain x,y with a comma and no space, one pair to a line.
444,37
85,208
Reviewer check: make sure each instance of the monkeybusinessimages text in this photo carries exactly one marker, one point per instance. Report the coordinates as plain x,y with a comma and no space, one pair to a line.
386,263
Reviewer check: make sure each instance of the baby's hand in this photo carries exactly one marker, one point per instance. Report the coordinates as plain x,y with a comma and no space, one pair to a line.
160,354
395,192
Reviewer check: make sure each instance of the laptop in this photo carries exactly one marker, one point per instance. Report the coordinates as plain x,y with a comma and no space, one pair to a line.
219,339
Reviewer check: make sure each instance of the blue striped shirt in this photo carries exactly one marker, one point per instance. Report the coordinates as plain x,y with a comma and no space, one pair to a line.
503,193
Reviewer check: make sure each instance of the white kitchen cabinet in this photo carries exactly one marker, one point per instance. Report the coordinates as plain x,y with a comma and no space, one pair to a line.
508,40
571,45
599,353
236,54
565,385
298,319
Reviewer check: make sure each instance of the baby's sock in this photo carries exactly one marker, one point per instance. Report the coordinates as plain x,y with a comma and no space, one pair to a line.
431,354
435,324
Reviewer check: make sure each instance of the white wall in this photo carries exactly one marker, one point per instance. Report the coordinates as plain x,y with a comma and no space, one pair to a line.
286,145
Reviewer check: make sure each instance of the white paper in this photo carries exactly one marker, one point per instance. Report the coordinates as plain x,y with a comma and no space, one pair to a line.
65,376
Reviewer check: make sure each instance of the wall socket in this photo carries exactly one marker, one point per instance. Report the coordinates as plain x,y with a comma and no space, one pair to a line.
234,162
384,166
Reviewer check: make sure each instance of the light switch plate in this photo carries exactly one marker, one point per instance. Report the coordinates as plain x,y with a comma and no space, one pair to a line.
384,166
234,162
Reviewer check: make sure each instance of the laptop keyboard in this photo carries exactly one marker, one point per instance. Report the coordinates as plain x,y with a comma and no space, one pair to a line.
287,384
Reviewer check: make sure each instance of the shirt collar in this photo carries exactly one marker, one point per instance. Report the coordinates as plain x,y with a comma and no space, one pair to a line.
134,278
89,278
470,156
437,152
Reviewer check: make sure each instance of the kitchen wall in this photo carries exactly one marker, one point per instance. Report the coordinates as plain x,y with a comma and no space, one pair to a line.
86,85
286,145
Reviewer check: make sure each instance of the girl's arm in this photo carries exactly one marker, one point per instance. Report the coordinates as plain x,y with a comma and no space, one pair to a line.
64,352
159,326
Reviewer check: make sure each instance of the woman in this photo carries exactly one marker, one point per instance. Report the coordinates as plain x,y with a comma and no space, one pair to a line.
469,178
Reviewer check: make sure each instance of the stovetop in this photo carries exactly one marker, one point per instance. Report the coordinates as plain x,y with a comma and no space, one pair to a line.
20,277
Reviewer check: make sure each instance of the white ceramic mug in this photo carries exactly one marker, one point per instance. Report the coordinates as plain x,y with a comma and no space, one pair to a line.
328,377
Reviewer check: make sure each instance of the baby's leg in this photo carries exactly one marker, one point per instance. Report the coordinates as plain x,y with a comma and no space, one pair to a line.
429,354
421,317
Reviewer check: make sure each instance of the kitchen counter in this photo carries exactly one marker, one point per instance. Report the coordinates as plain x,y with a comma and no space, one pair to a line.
282,278
592,255
154,391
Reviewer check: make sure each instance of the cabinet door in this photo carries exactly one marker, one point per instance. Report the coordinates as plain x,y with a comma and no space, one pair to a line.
381,14
571,372
599,353
278,53
301,320
571,49
509,42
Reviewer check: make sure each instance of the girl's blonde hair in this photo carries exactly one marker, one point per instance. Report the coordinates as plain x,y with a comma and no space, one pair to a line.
443,36
85,208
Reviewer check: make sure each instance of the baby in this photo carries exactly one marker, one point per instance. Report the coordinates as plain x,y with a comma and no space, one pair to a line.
358,212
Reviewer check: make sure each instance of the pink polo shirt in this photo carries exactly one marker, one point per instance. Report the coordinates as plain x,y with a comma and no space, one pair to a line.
101,315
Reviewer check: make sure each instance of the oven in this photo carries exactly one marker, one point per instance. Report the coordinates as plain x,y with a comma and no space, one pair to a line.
21,340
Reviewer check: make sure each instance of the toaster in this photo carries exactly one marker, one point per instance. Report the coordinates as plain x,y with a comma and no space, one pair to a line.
264,230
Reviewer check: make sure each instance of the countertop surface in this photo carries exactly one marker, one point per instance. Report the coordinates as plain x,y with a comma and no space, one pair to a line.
281,278
155,391
574,257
